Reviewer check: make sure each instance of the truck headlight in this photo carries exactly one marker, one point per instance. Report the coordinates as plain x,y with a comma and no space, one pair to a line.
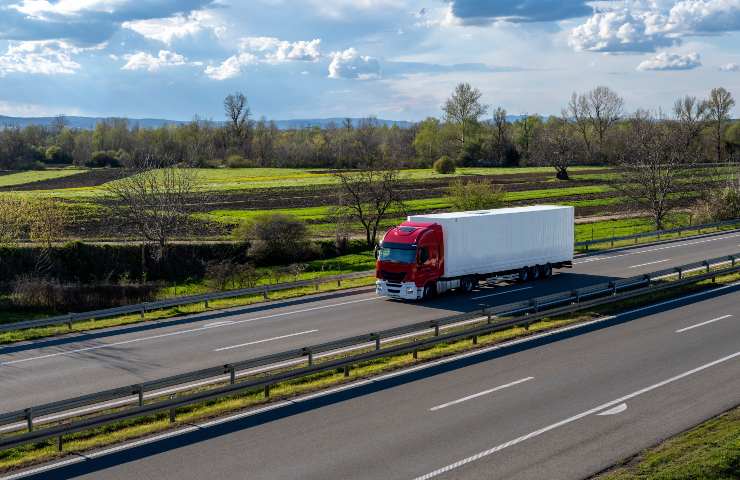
410,289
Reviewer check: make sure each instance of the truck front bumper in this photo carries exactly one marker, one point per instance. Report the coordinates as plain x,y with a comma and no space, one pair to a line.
404,291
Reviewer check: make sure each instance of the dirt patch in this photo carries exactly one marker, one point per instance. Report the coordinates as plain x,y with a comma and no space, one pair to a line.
91,178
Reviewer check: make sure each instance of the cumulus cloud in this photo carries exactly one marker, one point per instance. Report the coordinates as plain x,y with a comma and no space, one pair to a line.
671,61
274,50
645,30
481,12
730,67
231,67
45,57
83,21
168,29
146,61
350,64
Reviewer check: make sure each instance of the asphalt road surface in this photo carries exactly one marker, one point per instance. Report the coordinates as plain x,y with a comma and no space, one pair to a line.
563,406
33,373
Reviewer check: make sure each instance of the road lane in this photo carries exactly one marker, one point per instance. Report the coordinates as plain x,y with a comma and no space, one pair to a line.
547,427
44,371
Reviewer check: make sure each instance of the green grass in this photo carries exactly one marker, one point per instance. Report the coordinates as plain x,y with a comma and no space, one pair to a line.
710,451
22,178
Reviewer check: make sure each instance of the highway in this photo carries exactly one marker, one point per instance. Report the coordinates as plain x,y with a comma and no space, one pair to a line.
562,406
71,365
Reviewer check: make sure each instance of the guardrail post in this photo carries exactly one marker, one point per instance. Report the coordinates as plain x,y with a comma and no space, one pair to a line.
706,264
140,391
339,282
143,311
307,351
346,370
59,443
232,374
267,391
206,304
680,273
613,286
732,258
475,339
265,294
377,341
534,305
172,411
69,321
316,285
29,419
416,354
436,330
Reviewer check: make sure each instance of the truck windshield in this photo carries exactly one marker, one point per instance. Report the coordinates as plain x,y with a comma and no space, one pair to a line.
397,255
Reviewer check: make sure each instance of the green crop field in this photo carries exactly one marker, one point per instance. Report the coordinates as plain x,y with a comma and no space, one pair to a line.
23,178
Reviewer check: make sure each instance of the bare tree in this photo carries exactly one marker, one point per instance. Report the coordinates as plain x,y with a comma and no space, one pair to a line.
465,109
368,195
156,201
719,105
595,112
557,145
691,117
237,112
651,161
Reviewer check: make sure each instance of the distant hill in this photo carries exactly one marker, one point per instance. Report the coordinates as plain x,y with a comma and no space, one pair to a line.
88,123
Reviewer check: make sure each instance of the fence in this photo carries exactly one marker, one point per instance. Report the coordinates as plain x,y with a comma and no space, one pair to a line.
487,320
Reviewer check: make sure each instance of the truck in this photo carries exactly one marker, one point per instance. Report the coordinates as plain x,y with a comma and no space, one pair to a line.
431,254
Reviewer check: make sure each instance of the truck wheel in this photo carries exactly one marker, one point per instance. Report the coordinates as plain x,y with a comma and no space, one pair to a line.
535,274
430,290
524,274
546,271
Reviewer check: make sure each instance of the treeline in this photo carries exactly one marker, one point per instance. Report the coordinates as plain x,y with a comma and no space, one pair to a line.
470,133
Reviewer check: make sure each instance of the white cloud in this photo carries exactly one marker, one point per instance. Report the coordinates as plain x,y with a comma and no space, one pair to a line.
44,9
730,67
231,67
643,30
146,61
43,57
274,50
166,30
350,64
671,61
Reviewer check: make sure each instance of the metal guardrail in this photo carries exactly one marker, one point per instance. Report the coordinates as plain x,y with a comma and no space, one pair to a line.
490,319
142,308
656,233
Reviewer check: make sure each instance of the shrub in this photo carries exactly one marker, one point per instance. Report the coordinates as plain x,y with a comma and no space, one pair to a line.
720,205
277,239
475,195
102,158
445,165
237,161
56,156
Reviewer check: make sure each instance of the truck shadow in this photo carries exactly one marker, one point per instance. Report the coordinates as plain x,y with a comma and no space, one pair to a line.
92,465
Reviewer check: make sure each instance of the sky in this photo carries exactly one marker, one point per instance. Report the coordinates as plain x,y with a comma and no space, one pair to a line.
394,59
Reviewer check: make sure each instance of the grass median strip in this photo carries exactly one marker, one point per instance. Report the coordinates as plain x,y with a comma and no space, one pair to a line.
97,438
710,451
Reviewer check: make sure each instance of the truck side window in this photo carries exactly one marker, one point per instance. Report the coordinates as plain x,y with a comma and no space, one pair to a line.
423,255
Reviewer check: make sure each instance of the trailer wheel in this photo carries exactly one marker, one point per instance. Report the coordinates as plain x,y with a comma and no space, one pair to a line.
524,274
467,284
535,274
546,271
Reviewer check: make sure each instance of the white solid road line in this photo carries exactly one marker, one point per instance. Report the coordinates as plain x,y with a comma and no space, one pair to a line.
703,323
264,340
597,258
574,418
181,332
650,263
501,293
480,394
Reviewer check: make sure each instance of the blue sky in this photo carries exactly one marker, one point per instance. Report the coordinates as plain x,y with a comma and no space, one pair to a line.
395,59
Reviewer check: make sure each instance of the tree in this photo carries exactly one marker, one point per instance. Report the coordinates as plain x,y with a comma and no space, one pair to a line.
651,159
428,140
594,113
156,202
367,196
691,116
557,145
276,239
475,195
237,113
45,219
444,165
525,130
464,109
719,105
500,140
56,156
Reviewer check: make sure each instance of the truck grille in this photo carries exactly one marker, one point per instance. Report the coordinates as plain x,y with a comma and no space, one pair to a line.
392,276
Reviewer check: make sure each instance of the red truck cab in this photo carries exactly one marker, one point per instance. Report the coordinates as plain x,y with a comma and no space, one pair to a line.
410,260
